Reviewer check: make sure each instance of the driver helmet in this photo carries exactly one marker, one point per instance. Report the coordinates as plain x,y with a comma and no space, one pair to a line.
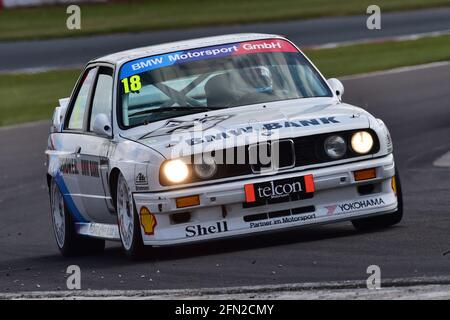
259,78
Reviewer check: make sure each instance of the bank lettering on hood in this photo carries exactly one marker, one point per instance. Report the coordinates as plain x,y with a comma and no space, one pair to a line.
159,61
266,126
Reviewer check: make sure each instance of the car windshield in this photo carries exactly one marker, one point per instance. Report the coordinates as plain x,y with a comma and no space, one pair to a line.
179,83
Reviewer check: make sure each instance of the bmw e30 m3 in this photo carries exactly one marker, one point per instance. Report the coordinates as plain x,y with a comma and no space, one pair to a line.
212,138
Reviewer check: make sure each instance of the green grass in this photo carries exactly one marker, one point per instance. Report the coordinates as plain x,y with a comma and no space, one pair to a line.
33,96
132,16
29,97
379,56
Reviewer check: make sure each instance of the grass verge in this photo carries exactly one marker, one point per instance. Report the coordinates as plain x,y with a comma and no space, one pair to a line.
29,97
133,16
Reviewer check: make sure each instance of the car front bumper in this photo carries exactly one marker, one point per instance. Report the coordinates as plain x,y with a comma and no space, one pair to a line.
220,214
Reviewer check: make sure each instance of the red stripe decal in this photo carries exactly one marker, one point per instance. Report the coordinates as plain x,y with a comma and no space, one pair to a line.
249,193
309,183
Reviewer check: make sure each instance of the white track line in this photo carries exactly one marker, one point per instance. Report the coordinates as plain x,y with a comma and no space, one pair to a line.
409,37
41,69
397,70
27,125
443,161
408,288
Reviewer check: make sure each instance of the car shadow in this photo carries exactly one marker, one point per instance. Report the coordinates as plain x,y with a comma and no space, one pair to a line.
252,242
113,256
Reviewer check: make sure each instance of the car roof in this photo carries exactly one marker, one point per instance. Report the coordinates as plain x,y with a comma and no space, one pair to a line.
132,54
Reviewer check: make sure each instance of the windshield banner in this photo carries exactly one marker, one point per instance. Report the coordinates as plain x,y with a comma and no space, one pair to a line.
154,62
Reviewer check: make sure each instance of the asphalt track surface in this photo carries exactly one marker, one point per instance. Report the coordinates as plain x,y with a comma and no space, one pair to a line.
76,52
415,105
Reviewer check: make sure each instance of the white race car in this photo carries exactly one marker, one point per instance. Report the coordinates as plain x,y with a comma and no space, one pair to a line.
212,138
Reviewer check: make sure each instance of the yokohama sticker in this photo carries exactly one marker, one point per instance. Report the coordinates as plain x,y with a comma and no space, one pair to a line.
354,206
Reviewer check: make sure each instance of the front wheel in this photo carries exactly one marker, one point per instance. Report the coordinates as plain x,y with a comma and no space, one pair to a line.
385,220
128,221
68,241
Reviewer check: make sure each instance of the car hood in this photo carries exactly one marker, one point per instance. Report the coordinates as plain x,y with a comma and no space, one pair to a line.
249,124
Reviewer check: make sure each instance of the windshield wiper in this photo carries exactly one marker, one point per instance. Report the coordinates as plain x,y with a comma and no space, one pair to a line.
183,108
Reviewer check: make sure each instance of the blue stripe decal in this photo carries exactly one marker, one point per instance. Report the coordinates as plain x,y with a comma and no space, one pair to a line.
68,199
169,59
225,50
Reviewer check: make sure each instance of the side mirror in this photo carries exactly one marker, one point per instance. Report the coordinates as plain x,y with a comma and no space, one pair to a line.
57,118
102,125
64,102
337,87
58,114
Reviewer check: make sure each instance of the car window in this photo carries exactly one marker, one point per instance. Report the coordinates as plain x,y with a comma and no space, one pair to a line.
225,76
76,119
102,102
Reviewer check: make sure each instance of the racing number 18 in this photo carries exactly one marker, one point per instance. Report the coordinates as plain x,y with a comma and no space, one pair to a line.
132,84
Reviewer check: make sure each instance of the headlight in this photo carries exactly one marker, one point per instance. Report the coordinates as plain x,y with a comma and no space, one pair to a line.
175,171
207,168
362,142
335,147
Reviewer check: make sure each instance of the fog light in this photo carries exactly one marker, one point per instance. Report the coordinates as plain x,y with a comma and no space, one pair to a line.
365,174
190,201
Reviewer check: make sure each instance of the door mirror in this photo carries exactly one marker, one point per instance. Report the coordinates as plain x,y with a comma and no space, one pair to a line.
102,125
57,119
58,114
337,87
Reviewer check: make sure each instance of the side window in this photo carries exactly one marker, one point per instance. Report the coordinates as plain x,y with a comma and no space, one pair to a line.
102,102
77,116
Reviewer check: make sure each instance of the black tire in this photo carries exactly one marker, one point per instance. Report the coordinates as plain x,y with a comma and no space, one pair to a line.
70,243
386,220
132,245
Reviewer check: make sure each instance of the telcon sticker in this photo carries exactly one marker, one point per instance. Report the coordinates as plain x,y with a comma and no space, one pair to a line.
154,62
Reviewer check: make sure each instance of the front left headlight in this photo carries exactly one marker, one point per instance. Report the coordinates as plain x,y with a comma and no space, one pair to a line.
362,142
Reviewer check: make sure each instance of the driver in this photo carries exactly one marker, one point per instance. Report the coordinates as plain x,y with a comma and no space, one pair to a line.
258,79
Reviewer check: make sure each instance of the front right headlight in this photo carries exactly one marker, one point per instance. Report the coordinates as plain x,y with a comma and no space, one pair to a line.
175,171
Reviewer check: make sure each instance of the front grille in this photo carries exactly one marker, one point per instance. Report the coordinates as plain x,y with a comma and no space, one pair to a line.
307,150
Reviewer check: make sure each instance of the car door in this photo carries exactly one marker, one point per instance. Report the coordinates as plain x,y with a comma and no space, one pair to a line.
93,178
68,146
